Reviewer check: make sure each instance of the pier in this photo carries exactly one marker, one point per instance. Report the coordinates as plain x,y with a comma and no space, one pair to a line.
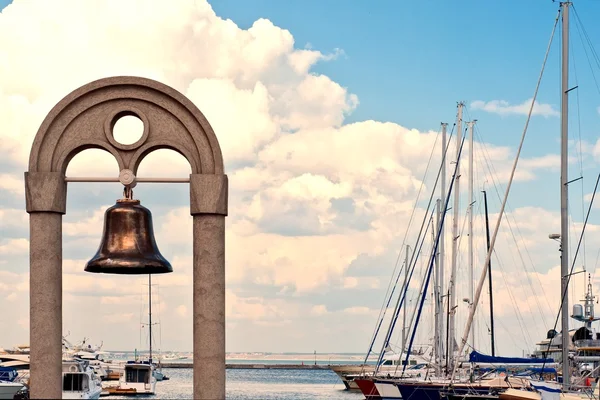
255,366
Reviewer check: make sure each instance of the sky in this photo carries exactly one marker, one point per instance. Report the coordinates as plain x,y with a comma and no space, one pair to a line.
327,114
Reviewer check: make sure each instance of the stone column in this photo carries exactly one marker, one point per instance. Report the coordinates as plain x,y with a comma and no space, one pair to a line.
208,206
45,194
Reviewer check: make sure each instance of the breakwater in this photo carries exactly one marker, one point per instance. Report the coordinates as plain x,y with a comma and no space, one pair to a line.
255,366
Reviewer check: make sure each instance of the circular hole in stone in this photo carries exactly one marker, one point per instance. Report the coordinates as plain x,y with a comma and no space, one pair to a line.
128,129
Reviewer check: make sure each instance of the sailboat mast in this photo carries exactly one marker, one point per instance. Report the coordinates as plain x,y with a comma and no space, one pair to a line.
150,316
437,329
489,268
564,191
471,277
406,258
434,228
442,237
452,322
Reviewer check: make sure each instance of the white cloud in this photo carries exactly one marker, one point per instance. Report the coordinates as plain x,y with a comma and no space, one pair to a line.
118,318
113,300
318,310
91,226
544,162
181,310
13,246
503,107
13,220
253,126
350,282
357,310
12,184
254,308
309,194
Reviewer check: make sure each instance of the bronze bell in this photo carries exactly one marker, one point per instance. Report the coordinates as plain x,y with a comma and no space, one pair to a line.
128,245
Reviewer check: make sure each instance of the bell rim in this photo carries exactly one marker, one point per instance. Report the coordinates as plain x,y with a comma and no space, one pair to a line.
143,267
127,271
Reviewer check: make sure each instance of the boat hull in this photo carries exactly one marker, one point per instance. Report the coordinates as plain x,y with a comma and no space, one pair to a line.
368,388
514,394
91,394
471,397
348,372
425,391
9,389
387,389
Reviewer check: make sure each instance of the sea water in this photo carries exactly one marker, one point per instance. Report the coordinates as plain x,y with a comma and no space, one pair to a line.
262,384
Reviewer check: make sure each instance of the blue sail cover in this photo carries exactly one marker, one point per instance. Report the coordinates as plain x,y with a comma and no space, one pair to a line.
476,357
8,374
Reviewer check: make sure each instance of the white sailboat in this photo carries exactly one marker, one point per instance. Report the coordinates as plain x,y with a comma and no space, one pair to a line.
139,377
552,390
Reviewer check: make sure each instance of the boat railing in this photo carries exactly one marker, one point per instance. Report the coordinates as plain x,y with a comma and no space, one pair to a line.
587,343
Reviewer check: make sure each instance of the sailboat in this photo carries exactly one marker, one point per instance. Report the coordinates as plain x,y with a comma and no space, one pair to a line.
451,387
158,374
139,377
379,387
555,390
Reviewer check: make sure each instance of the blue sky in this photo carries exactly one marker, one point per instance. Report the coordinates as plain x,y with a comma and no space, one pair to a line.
410,62
315,233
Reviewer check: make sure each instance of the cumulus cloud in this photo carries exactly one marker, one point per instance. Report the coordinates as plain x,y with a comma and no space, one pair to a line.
181,310
317,208
318,310
14,246
503,107
357,310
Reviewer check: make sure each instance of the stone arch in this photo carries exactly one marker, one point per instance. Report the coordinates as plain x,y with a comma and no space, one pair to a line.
85,117
84,120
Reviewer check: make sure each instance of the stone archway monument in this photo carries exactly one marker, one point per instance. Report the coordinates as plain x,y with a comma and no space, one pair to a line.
84,119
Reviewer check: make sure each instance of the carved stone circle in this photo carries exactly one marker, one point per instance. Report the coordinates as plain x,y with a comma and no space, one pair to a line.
85,118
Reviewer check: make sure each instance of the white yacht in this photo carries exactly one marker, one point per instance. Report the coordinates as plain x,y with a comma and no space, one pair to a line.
10,382
137,378
95,362
80,381
8,389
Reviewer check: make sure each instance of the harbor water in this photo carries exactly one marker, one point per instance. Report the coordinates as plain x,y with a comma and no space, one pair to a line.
264,384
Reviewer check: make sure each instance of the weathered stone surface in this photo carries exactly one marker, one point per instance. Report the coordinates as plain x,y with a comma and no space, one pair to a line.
208,194
45,305
45,191
82,120
209,306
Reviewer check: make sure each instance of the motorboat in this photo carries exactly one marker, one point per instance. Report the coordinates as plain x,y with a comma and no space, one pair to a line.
137,378
80,381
